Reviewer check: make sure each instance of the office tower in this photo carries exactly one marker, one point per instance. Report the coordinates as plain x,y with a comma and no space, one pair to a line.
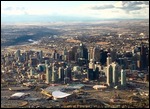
103,56
54,75
122,62
133,65
61,73
96,54
113,53
91,70
69,56
90,74
65,54
90,53
85,52
109,75
42,67
46,62
22,57
27,56
115,73
33,62
73,53
17,54
65,51
48,73
76,56
96,73
143,57
82,52
68,73
40,55
109,60
32,71
55,55
92,64
37,55
123,78
147,58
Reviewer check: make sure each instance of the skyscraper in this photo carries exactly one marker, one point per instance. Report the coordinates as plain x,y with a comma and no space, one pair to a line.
109,75
103,56
48,73
54,76
40,55
68,73
115,73
92,64
96,54
33,62
143,57
123,77
17,54
90,53
109,60
82,51
61,73
73,53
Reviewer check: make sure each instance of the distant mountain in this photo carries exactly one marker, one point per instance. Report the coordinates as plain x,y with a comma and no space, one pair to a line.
39,18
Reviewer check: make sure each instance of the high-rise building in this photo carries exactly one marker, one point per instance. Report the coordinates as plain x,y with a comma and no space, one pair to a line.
113,53
46,62
32,71
55,55
123,78
82,52
96,54
54,76
61,73
143,57
109,75
40,55
27,56
96,73
93,70
65,54
90,74
68,73
90,53
23,55
109,60
17,54
73,53
103,56
92,64
33,62
48,74
115,73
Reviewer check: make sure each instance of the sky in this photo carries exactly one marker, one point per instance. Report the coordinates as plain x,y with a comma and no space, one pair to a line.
23,11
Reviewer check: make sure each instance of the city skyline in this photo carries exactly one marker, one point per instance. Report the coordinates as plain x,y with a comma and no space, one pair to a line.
54,11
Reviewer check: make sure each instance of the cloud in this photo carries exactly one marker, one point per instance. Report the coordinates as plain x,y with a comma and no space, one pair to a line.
129,9
20,8
8,8
115,9
124,5
102,7
133,5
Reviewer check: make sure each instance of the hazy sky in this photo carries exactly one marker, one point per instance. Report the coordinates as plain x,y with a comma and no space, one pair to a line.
93,9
